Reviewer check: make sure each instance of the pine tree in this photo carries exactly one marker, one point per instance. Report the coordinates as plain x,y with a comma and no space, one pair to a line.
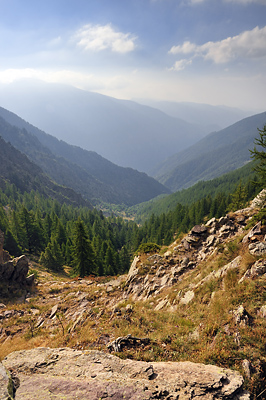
259,155
11,244
239,198
52,257
82,251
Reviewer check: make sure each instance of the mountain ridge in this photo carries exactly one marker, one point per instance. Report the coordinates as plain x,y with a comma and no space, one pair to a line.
85,172
214,118
17,169
215,154
133,135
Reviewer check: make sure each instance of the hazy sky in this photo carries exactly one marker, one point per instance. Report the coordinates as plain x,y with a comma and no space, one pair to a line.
205,51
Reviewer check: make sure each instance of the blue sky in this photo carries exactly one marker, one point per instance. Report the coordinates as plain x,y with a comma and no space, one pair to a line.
204,51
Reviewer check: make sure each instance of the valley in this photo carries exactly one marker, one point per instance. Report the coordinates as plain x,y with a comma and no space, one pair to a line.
160,285
132,200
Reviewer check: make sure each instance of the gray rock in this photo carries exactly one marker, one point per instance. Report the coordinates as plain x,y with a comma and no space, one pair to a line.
259,200
221,272
6,385
162,303
70,374
247,368
133,271
257,269
241,316
212,223
13,273
53,311
257,249
189,296
21,269
199,229
256,230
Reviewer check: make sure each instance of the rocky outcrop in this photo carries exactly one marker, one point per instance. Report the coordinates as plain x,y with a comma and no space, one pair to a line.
149,277
45,373
13,272
257,269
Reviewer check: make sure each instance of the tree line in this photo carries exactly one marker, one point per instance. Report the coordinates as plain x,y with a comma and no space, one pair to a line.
86,240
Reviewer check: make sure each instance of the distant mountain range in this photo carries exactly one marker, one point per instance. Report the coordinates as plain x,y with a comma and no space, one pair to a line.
124,132
214,155
211,118
134,134
95,178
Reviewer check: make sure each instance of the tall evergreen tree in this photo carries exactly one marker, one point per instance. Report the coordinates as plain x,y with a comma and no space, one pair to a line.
259,155
52,257
82,251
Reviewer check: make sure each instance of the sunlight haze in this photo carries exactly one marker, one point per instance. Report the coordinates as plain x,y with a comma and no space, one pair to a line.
201,51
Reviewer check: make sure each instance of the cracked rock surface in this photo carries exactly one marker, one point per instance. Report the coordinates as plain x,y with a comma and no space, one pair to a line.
63,373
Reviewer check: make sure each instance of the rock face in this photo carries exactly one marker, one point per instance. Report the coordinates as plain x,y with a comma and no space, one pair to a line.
13,272
158,272
45,373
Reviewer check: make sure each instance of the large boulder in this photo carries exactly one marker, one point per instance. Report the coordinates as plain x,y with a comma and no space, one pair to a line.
46,373
13,272
13,277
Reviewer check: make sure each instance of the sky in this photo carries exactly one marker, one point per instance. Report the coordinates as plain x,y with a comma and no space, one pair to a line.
203,51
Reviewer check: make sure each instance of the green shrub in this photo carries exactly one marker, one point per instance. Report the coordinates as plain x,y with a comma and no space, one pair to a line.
148,248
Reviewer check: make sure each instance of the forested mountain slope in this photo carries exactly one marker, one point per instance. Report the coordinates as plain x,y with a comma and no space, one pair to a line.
226,184
86,172
212,156
17,169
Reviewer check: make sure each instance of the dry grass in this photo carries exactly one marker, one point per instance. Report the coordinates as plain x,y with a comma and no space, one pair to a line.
202,331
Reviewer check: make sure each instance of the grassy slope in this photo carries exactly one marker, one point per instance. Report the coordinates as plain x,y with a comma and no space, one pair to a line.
202,331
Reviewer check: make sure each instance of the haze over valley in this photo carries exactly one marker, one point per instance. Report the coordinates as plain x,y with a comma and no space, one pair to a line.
132,199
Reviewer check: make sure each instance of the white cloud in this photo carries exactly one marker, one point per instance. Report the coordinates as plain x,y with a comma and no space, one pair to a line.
248,44
180,65
102,37
185,48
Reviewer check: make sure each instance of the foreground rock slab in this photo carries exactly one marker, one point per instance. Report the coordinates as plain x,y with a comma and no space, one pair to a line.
45,373
6,387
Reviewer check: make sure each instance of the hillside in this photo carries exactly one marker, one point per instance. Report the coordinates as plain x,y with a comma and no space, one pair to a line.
226,183
202,299
17,169
124,132
96,178
212,156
